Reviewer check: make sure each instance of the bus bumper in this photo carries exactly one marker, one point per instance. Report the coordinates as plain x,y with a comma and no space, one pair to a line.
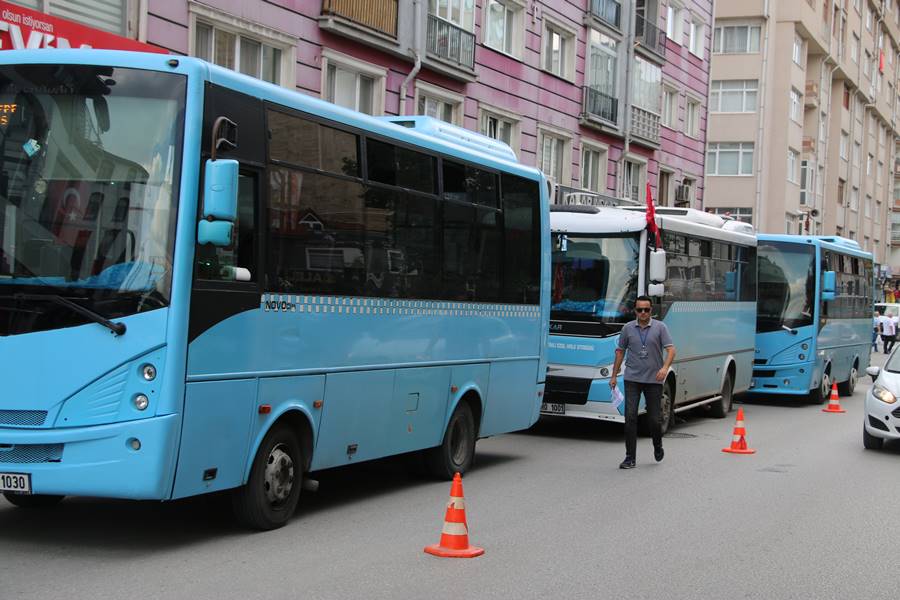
100,460
795,379
593,402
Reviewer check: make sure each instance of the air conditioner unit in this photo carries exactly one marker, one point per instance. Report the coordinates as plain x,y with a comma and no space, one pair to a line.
682,195
809,144
811,95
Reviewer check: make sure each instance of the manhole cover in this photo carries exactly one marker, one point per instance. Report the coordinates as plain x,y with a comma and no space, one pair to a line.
680,436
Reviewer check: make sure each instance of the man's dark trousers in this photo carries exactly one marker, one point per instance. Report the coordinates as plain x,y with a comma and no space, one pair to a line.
652,395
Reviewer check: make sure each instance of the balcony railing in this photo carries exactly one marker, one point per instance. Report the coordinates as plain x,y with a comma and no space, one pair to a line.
609,11
600,105
380,15
450,42
650,36
644,124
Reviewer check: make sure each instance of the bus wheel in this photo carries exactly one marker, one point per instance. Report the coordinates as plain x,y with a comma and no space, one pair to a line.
667,408
720,409
846,388
456,452
33,501
270,496
823,392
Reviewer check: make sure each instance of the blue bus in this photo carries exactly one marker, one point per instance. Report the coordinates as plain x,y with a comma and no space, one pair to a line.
702,279
814,316
210,283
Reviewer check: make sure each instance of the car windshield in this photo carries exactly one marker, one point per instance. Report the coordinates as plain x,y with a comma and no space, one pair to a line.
786,280
87,191
594,282
893,363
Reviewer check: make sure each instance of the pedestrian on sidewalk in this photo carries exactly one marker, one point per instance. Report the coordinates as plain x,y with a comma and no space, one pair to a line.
888,332
875,331
643,341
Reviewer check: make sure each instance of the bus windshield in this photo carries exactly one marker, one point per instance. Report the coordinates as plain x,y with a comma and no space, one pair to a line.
594,280
786,285
87,192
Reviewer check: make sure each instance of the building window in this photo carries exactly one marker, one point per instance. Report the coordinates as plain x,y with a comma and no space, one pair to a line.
504,27
868,18
697,31
646,85
670,107
501,126
633,180
736,39
553,156
846,99
230,45
797,53
795,105
745,215
841,193
854,196
439,103
878,211
807,186
692,118
674,22
601,95
559,50
878,173
789,221
730,158
352,83
869,160
793,162
459,12
845,143
854,48
857,148
737,95
868,207
593,168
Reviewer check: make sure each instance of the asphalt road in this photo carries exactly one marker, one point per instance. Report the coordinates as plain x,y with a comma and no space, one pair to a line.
810,515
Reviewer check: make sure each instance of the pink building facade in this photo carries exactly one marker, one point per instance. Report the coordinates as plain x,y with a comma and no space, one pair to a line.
602,95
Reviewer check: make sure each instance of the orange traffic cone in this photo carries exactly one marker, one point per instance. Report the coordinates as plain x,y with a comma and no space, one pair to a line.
455,534
738,440
834,405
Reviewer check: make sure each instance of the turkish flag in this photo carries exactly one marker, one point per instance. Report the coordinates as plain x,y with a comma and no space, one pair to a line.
651,218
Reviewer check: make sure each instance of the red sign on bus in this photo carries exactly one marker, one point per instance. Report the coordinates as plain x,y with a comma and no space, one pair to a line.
21,28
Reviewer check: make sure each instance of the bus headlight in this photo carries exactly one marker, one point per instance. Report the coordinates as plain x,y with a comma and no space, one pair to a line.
883,395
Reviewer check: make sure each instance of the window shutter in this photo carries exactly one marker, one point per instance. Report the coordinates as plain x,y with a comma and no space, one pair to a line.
108,15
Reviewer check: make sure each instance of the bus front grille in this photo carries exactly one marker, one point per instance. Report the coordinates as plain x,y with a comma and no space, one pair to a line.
567,390
764,373
760,361
30,453
23,418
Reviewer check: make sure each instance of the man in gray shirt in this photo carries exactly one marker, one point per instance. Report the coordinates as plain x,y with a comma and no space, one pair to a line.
644,341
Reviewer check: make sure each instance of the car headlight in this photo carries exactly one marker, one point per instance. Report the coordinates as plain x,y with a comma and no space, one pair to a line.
883,395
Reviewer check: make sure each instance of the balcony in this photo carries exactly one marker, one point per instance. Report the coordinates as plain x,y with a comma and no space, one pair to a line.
645,125
601,106
378,15
608,11
450,43
650,37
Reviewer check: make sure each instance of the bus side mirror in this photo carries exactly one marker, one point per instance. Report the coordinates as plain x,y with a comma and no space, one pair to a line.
656,290
220,189
658,266
730,280
828,285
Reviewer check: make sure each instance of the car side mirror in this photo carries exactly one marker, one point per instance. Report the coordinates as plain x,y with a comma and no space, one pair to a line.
220,188
656,290
873,372
828,285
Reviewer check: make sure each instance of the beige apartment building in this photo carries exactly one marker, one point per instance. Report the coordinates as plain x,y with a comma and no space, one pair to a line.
803,117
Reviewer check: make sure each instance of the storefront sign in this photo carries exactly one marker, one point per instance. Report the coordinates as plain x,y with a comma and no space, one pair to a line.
21,28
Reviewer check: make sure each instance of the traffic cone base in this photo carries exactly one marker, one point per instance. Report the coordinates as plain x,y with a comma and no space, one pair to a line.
455,533
834,404
739,439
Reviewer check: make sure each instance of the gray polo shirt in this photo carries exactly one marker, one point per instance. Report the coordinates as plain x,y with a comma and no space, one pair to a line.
642,366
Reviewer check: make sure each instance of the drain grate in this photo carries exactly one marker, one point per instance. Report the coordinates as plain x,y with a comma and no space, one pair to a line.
680,436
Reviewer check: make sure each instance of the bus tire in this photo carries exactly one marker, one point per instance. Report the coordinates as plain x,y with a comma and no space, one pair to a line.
269,498
823,392
457,450
845,388
722,407
870,442
33,500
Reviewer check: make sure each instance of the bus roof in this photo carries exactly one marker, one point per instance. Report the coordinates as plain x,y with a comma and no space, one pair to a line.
426,135
831,242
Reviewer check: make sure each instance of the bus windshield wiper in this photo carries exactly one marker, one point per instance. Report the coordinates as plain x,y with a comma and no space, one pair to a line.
116,328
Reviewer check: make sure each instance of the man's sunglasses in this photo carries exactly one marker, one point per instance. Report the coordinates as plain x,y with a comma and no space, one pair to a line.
642,310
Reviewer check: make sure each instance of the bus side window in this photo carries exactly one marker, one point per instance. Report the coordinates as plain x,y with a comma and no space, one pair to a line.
236,262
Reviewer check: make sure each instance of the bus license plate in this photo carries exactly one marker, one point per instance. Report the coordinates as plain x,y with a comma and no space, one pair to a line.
17,483
553,408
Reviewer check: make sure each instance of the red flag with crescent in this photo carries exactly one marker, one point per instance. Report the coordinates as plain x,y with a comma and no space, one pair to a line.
651,218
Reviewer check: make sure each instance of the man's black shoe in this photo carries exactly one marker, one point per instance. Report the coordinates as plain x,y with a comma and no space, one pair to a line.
628,463
658,453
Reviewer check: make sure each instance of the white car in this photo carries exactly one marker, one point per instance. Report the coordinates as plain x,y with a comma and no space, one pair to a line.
882,415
